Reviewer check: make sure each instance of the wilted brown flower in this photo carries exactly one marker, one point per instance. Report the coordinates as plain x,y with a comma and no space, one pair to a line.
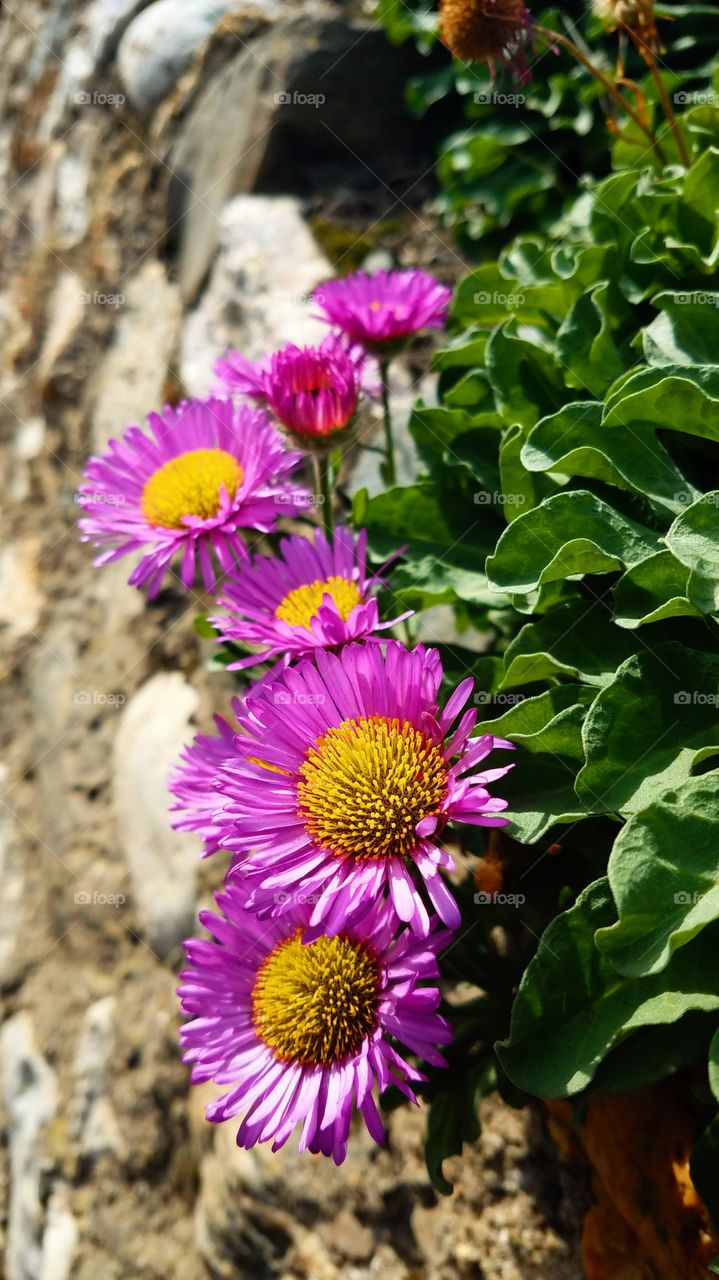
636,16
486,31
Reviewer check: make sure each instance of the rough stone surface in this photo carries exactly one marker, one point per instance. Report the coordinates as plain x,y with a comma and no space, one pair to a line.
109,1168
257,296
162,863
160,42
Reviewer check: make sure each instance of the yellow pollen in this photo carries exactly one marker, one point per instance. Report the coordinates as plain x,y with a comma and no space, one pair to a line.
189,485
375,306
300,606
365,785
315,1004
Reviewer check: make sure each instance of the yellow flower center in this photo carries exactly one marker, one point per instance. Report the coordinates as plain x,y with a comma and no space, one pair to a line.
190,486
365,785
300,606
315,1004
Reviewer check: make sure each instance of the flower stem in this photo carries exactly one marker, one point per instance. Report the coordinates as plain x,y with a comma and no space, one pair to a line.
322,464
648,56
606,84
389,469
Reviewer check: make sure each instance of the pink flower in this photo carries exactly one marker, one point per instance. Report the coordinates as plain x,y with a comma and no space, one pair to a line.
187,486
380,311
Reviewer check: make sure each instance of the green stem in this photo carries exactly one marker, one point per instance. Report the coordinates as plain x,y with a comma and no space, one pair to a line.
322,464
606,84
647,54
390,471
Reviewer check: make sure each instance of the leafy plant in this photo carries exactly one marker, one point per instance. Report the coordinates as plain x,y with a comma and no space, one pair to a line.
570,511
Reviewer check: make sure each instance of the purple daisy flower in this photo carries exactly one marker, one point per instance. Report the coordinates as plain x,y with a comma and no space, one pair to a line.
192,781
312,391
301,1031
379,311
201,473
313,594
368,772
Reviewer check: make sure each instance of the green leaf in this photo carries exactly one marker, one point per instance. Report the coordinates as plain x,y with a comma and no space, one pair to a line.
575,442
547,732
576,640
653,590
655,1053
684,399
520,489
694,540
570,533
686,332
664,875
592,340
704,1170
453,1120
650,728
528,381
572,1007
714,1065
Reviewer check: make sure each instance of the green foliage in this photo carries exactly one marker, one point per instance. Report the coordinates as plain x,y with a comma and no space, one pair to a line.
513,155
569,504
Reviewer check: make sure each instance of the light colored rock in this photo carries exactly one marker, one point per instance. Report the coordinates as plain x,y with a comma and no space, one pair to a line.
30,1097
21,600
162,863
160,42
66,312
92,1122
257,298
132,378
59,1243
12,888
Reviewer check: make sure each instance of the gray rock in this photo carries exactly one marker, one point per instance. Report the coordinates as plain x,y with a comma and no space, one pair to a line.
59,1243
160,42
287,87
132,378
257,297
12,879
92,1122
162,863
30,1098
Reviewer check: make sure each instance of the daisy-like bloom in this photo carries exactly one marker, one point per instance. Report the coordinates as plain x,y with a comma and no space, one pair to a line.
380,311
302,1032
312,391
369,771
188,484
488,31
311,595
192,781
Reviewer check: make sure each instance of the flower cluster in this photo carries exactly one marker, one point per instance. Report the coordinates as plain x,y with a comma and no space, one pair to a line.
330,789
